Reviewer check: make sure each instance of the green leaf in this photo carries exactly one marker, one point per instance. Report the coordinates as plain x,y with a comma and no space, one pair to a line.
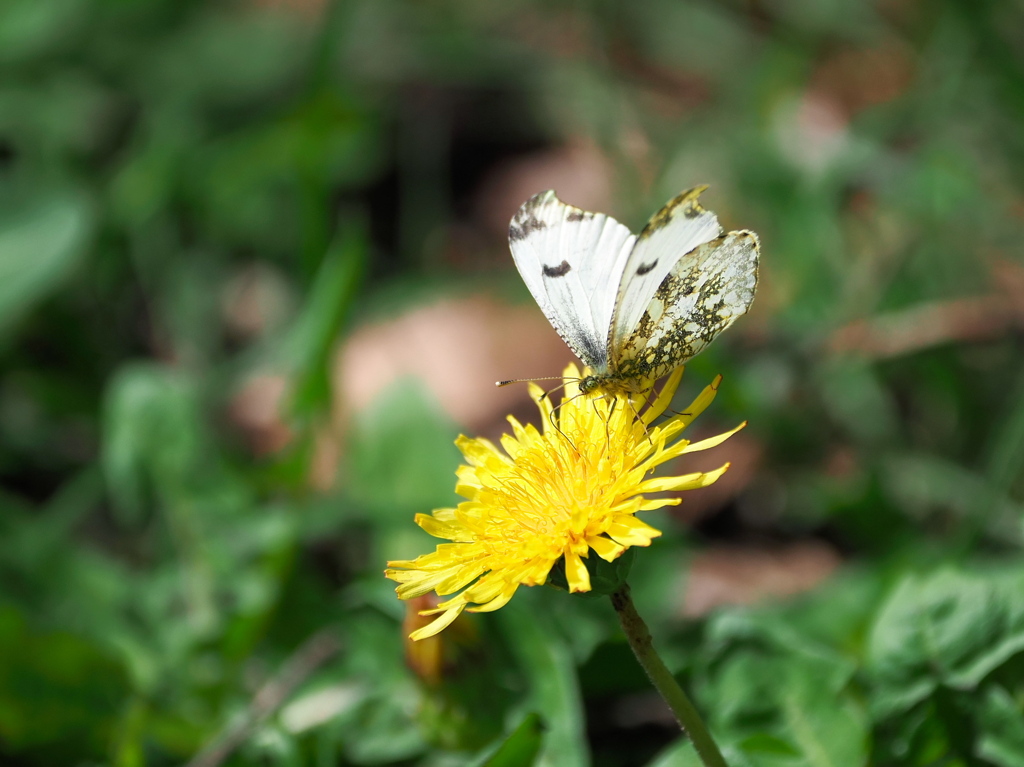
923,483
28,28
210,58
41,243
381,728
780,695
403,456
151,441
796,710
737,635
827,733
679,754
1001,720
553,686
949,628
520,748
316,330
59,692
1006,460
683,754
851,389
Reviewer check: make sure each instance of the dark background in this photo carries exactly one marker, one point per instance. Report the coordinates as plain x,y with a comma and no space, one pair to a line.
254,279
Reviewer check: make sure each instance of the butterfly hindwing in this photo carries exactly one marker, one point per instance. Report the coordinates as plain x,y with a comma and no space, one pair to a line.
569,259
706,290
675,230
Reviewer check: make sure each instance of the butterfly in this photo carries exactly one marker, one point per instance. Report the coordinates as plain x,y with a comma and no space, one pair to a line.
633,307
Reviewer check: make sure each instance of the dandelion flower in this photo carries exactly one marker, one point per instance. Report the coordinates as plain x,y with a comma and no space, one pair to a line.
555,493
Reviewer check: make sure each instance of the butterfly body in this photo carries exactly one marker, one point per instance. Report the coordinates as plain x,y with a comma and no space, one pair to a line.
633,307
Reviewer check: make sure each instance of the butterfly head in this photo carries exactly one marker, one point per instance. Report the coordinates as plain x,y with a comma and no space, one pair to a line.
611,383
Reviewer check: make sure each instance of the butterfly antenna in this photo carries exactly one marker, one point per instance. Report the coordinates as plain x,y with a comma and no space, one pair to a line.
668,409
677,412
546,394
527,380
554,424
636,415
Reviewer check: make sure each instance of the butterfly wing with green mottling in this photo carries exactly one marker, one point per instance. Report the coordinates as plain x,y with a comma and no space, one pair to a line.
703,294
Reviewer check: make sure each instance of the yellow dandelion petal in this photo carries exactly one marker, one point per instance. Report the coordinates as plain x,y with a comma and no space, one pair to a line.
630,506
467,486
456,602
440,528
682,447
416,587
699,405
499,600
686,482
445,515
438,625
481,453
576,573
571,377
664,398
605,548
630,531
556,491
543,403
461,578
659,503
486,589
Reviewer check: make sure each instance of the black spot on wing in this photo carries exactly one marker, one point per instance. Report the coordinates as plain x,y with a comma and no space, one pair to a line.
576,215
557,271
645,268
525,227
686,204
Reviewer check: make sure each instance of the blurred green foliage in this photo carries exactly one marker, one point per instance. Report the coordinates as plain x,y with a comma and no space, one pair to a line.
167,590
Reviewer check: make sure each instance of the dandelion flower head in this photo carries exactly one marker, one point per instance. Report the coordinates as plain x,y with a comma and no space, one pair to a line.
573,486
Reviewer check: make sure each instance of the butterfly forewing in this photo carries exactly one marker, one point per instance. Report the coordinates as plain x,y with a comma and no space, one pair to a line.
707,289
569,259
672,232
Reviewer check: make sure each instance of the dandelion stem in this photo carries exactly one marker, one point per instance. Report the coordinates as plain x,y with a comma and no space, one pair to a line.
639,637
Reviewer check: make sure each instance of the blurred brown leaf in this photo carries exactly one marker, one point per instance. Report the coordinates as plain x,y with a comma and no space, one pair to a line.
740,575
909,330
255,299
857,78
256,410
459,348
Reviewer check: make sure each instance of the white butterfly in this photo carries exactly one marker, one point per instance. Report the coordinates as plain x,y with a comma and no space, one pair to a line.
633,307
